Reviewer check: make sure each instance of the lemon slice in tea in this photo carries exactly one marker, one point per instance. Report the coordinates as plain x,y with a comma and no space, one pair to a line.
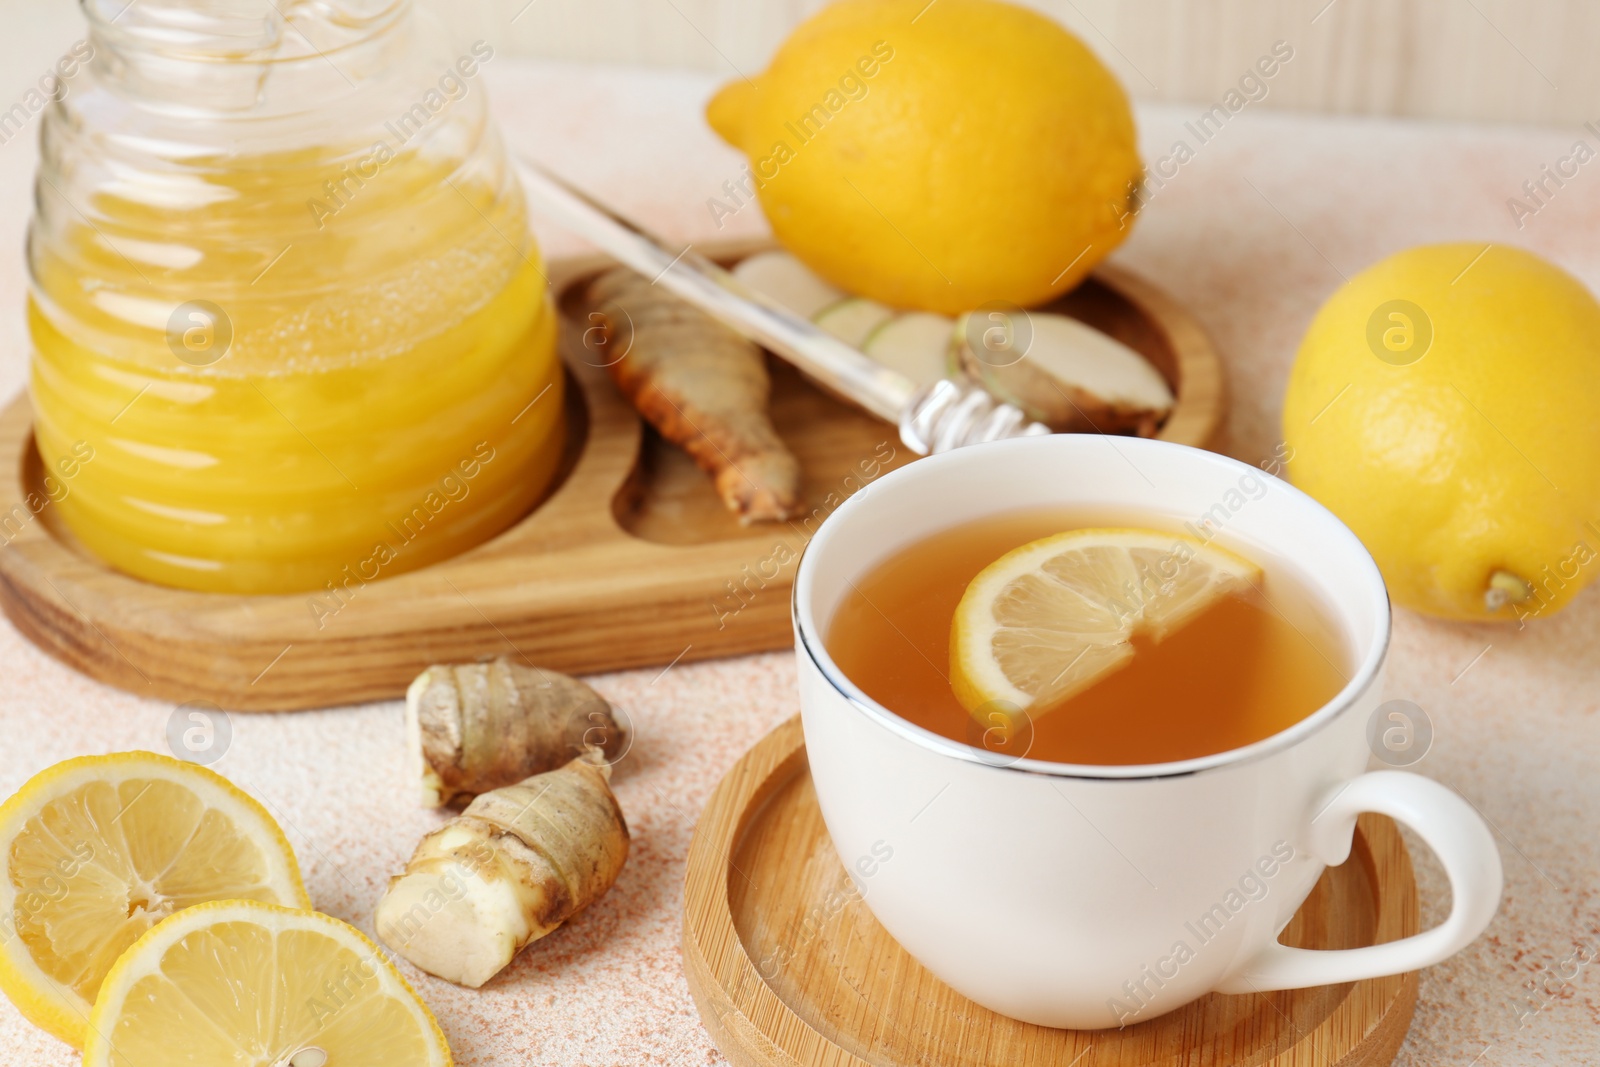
99,849
1047,620
239,983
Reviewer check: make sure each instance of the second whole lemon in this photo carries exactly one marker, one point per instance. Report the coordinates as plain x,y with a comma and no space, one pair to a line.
1443,405
936,156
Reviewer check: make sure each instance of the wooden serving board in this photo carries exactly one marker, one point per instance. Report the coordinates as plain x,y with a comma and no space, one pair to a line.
790,969
630,561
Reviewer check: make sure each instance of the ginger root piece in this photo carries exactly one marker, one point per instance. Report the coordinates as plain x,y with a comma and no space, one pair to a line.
518,863
704,388
1069,376
476,727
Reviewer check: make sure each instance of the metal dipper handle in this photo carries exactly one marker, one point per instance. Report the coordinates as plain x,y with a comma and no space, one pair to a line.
945,415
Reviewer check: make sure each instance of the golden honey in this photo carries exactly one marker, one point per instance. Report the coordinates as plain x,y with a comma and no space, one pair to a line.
293,365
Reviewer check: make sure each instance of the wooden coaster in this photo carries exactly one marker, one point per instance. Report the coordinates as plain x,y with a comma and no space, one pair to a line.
631,560
790,969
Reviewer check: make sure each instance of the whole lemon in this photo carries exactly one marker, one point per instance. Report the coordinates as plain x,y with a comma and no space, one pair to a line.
1443,404
937,156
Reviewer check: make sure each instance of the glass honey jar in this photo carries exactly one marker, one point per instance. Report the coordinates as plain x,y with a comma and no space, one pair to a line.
284,289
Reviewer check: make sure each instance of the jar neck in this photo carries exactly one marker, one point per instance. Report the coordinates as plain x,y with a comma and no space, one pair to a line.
220,55
235,30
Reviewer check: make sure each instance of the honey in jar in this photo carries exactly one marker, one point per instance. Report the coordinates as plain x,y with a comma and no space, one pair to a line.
285,293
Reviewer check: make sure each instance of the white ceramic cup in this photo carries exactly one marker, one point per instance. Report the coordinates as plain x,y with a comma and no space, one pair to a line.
1061,894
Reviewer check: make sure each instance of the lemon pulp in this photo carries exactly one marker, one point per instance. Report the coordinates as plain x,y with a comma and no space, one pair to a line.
1049,619
99,849
240,984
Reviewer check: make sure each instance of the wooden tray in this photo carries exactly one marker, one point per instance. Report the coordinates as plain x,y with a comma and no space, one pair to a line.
631,560
845,994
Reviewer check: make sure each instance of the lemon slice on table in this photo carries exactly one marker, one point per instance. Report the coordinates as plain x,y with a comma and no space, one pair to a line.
99,849
239,983
1047,620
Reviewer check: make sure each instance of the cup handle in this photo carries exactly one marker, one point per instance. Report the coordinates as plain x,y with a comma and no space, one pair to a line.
1457,835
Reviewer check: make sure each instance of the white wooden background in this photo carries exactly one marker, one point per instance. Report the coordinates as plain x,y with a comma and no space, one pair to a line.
1498,60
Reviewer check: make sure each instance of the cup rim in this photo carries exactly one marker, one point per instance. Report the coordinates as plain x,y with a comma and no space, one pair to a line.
1361,680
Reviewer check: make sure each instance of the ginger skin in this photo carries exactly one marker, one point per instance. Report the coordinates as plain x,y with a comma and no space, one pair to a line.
516,864
704,388
476,727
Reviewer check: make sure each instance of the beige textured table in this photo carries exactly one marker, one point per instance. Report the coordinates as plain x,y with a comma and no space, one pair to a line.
1252,233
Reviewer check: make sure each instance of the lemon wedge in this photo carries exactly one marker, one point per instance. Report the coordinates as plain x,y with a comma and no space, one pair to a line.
244,984
1047,620
99,849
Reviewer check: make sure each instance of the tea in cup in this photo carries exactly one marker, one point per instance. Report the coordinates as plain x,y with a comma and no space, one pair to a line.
1112,855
